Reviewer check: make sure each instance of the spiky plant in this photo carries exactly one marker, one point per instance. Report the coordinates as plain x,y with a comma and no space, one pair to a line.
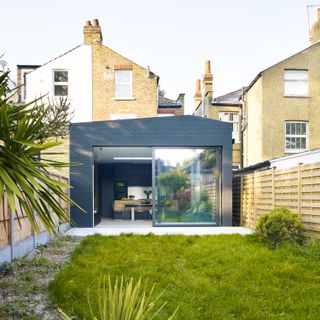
24,171
122,301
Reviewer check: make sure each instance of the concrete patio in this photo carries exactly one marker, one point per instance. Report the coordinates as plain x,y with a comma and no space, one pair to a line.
116,227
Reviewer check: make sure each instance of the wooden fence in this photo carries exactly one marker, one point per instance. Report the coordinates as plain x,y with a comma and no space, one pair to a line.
21,228
296,188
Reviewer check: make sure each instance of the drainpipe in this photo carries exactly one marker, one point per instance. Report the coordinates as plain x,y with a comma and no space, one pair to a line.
242,127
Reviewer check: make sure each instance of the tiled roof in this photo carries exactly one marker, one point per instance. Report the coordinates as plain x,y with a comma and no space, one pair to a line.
164,102
229,98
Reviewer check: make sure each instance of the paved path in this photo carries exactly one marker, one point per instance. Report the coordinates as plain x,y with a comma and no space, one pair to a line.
114,231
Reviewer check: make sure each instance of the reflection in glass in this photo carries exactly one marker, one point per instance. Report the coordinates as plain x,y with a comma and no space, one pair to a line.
186,184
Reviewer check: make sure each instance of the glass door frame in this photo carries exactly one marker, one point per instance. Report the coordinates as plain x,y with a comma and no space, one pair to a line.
218,150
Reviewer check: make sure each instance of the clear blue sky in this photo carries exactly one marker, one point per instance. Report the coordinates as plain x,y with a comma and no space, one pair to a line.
173,37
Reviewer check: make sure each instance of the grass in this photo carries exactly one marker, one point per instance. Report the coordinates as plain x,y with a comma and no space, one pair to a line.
208,277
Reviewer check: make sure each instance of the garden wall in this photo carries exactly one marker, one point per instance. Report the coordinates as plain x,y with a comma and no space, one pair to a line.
296,188
23,236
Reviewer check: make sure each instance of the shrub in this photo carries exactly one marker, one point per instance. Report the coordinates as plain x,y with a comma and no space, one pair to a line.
121,301
278,226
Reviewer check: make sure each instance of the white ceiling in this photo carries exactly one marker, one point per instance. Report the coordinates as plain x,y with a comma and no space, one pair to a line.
106,154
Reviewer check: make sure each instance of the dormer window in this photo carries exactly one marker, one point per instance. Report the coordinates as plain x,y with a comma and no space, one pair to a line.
60,83
123,84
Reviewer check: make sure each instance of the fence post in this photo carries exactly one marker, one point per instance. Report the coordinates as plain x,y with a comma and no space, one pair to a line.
254,199
241,208
299,189
273,188
11,234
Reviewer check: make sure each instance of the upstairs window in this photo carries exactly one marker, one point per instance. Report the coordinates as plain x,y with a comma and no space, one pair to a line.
296,83
295,136
232,117
60,83
123,84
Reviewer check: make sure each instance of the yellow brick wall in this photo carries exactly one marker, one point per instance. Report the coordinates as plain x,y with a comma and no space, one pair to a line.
63,156
213,113
144,88
268,108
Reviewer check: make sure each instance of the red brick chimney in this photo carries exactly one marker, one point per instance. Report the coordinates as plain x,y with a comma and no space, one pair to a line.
92,32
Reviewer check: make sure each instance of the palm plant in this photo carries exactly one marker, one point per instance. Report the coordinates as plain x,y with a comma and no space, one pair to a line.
122,301
24,174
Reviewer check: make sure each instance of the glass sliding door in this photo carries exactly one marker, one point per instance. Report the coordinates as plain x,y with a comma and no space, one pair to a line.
187,185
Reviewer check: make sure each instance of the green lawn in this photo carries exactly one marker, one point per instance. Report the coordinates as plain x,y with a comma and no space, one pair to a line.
208,277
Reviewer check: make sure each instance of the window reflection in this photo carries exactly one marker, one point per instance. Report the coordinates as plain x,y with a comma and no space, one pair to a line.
186,182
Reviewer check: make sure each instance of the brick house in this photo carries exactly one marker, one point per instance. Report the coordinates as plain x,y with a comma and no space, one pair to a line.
100,83
130,143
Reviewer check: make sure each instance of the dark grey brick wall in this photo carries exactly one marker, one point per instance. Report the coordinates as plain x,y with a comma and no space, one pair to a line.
181,131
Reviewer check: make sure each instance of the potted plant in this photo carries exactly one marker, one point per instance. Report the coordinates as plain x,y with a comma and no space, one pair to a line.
147,193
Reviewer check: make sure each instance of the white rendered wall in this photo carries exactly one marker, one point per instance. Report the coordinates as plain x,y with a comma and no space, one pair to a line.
78,62
307,157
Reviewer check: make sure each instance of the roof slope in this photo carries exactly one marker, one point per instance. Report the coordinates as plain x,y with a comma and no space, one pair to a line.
274,65
164,102
231,98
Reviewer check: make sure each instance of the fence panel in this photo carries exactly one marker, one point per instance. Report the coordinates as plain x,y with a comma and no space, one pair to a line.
296,188
22,226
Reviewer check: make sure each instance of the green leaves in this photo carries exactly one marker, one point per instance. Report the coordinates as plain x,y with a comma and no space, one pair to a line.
24,177
122,301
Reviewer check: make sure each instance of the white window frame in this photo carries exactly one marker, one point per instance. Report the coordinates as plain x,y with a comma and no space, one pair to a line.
306,135
295,76
129,83
60,83
235,135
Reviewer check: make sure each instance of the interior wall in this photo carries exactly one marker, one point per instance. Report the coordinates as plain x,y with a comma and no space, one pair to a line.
109,174
139,175
106,189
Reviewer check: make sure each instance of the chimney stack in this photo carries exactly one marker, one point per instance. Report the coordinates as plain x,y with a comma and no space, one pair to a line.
197,95
207,88
315,30
92,33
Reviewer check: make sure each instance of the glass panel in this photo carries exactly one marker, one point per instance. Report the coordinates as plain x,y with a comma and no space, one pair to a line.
123,91
61,90
287,128
303,128
303,143
292,143
287,143
298,128
186,184
296,87
123,76
293,128
61,76
298,144
296,74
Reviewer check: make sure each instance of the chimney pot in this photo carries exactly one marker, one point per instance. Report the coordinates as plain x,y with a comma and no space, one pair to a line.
318,12
88,23
95,22
207,67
